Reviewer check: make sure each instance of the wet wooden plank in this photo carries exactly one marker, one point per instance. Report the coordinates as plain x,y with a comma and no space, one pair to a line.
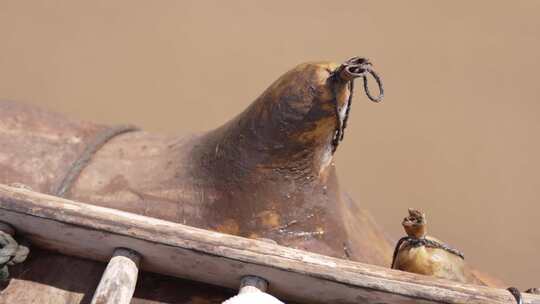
93,232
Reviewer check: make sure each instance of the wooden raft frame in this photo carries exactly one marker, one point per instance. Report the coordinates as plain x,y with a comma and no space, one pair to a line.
92,232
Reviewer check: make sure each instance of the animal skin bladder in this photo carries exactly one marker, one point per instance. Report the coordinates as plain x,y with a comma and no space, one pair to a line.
423,254
266,174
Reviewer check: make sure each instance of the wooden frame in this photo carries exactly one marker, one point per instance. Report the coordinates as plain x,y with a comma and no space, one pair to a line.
92,232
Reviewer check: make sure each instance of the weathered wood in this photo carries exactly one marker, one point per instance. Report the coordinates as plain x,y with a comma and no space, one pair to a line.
52,278
118,282
94,232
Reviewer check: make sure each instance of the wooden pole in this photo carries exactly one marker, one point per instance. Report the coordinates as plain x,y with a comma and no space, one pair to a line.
253,284
118,282
79,229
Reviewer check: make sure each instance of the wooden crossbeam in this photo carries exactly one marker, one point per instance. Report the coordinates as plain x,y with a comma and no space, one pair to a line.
92,232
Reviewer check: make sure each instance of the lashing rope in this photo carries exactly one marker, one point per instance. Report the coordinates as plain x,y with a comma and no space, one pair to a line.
354,68
84,159
11,253
417,242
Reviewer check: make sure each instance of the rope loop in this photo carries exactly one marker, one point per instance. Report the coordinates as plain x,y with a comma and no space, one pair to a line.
11,253
378,98
346,73
361,67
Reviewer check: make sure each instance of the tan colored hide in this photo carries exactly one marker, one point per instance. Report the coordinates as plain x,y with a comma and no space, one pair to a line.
268,173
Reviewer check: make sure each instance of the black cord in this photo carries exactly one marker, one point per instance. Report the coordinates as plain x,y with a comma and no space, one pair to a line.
348,71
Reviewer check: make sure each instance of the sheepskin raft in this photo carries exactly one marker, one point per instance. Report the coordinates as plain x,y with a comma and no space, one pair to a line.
267,176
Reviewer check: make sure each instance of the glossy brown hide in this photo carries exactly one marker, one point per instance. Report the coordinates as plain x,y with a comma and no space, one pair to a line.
436,262
268,173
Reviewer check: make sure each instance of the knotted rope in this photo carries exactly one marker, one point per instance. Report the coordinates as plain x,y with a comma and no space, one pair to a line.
354,68
361,67
11,253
